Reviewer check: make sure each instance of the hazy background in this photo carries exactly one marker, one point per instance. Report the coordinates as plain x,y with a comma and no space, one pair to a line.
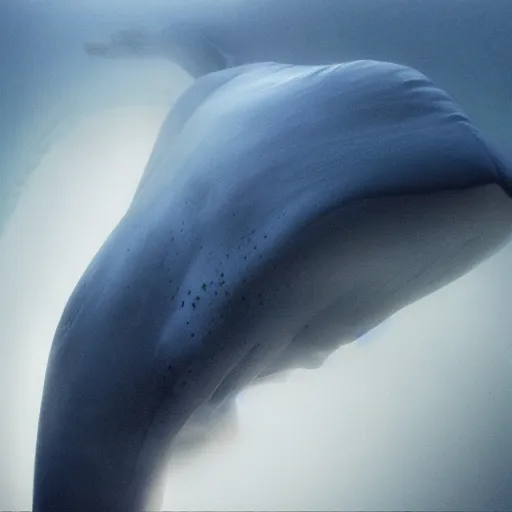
417,415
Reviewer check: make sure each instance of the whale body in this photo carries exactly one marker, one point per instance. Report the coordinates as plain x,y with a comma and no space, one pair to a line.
285,210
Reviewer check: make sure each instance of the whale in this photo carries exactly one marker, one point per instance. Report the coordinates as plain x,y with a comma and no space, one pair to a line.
55,73
285,210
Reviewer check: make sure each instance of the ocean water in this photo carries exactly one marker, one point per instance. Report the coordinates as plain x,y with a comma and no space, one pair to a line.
416,415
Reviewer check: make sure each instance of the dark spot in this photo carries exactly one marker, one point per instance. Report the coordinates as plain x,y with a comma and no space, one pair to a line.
255,247
197,297
189,292
227,256
182,303
194,305
172,239
264,236
172,298
222,283
222,274
170,281
188,323
128,250
261,256
243,298
245,257
192,335
259,295
209,333
201,246
216,293
253,231
226,293
181,230
204,286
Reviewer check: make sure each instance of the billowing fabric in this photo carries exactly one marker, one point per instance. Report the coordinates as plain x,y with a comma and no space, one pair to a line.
285,210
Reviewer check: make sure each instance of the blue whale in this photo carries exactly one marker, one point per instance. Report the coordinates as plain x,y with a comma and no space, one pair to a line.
48,82
285,210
